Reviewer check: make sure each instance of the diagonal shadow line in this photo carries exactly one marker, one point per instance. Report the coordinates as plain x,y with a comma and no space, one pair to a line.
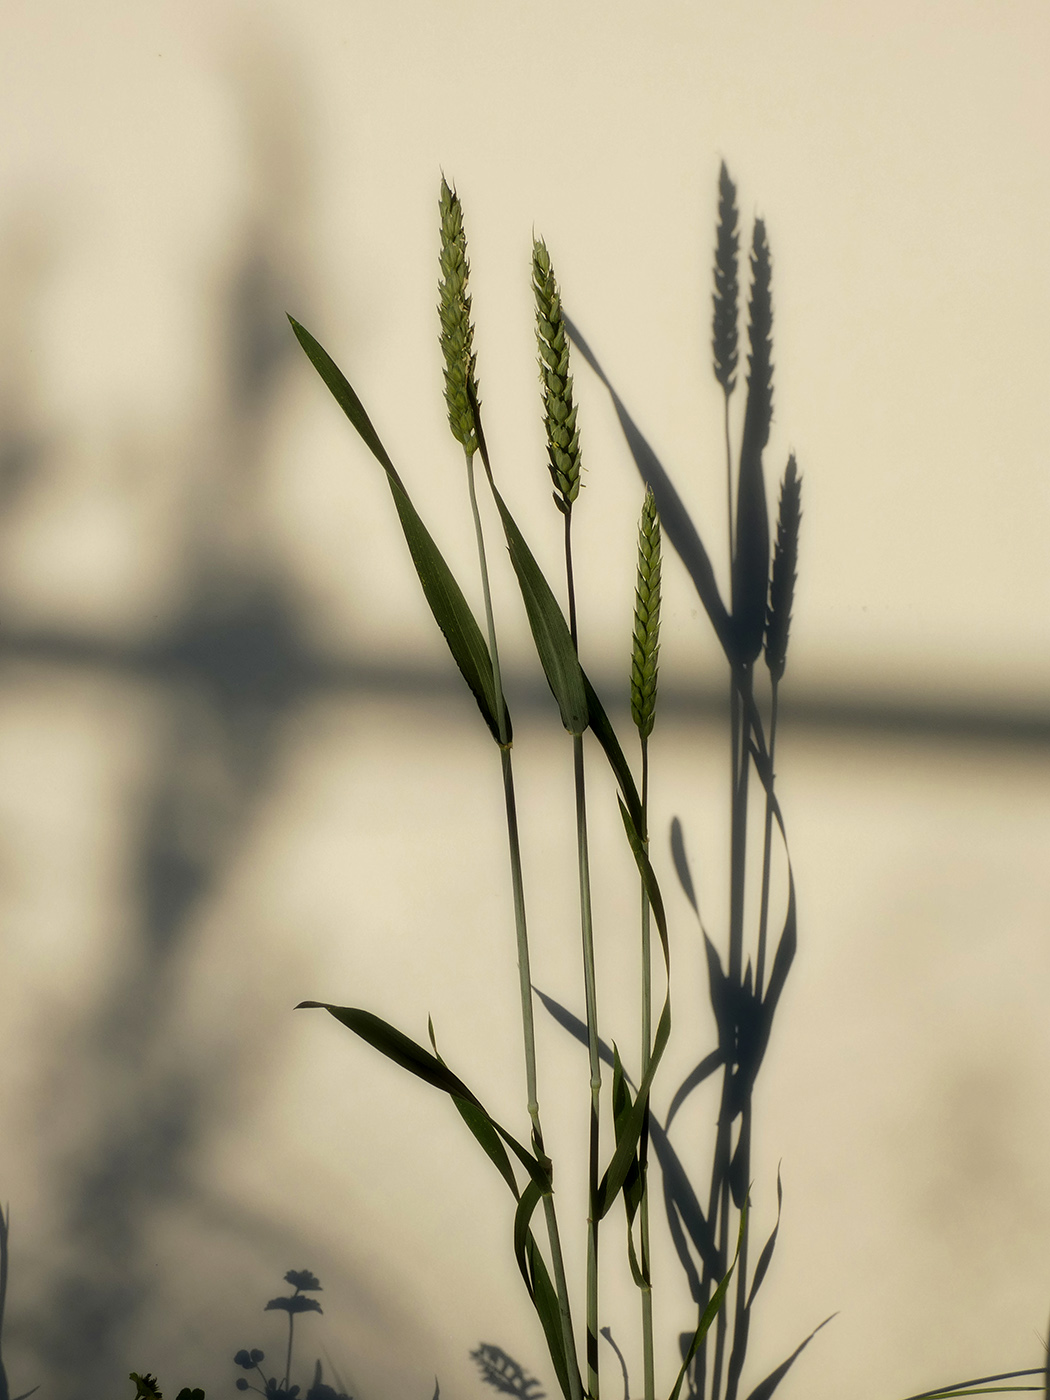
298,674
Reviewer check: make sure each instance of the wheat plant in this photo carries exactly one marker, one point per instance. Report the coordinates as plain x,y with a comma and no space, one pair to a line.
710,1231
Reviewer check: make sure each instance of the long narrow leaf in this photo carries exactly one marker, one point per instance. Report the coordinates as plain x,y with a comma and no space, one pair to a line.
550,631
617,1172
709,1314
404,1051
606,736
541,1290
530,1198
622,1103
958,1387
548,1311
649,882
444,595
985,1390
479,1123
677,1187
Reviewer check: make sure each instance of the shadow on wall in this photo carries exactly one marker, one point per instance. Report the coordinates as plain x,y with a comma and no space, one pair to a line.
122,1118
224,675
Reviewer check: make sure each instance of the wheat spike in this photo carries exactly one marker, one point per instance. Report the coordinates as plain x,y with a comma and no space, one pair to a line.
646,643
457,332
785,564
563,439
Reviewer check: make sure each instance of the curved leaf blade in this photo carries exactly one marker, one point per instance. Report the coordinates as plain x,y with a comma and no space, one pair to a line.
619,1168
709,1314
443,594
550,631
404,1051
603,731
958,1387
538,1282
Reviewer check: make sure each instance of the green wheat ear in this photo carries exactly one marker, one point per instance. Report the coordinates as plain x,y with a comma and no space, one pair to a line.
646,649
563,440
457,332
785,565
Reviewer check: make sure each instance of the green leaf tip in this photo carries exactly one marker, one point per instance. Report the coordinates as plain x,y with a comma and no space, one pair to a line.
563,439
457,330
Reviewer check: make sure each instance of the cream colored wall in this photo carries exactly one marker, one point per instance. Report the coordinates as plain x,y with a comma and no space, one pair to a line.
153,155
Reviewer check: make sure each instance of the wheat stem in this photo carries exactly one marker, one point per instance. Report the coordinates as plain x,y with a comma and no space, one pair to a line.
457,333
591,999
563,453
645,650
648,1362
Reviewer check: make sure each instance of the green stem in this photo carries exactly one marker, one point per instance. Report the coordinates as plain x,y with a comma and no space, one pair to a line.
501,709
590,991
723,1251
648,1366
524,969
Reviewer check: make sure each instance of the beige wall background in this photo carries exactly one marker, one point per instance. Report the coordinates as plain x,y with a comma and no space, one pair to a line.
235,767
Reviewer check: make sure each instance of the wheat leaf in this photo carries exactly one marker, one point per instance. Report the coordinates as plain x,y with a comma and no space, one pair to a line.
442,592
710,1312
550,631
404,1051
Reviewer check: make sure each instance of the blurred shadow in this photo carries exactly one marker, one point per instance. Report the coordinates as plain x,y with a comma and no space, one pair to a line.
231,668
